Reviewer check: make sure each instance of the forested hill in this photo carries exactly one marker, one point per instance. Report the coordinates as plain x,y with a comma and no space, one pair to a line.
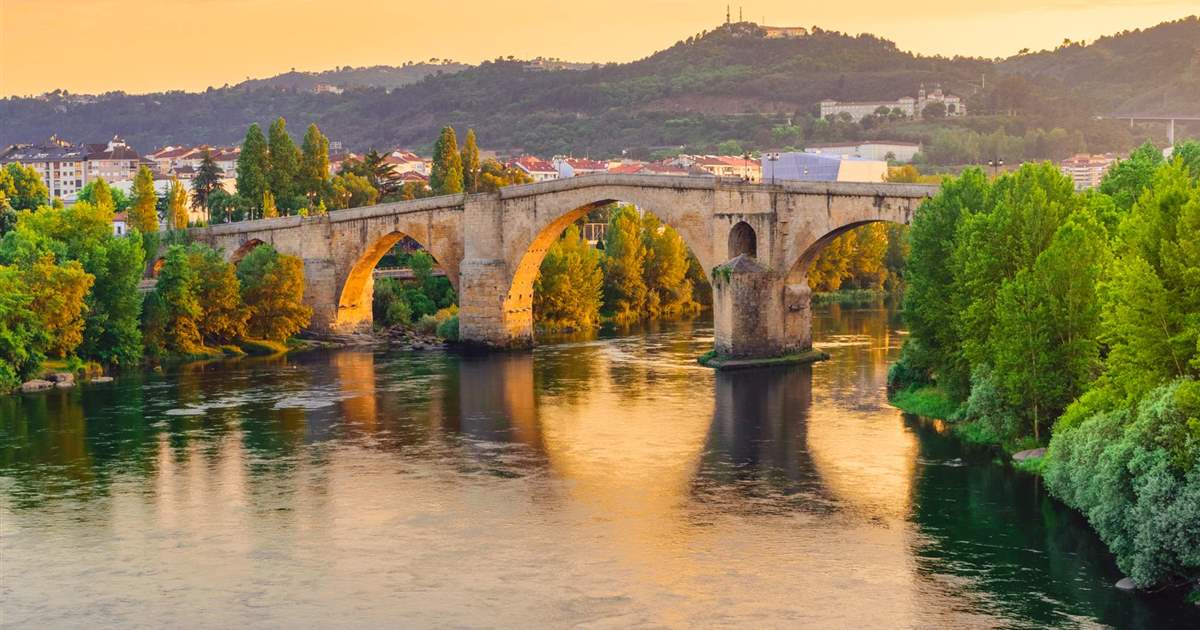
729,84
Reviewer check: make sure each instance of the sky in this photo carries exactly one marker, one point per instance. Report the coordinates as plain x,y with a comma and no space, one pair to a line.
92,46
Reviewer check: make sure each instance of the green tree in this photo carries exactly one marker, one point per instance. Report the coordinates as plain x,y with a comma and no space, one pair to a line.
570,283
22,338
283,172
493,176
446,175
252,167
1127,179
222,315
314,165
177,205
26,189
177,286
625,256
206,182
58,293
352,191
273,292
143,208
470,163
665,270
98,193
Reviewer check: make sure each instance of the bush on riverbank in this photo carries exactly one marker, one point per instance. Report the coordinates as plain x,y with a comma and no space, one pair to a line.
1032,307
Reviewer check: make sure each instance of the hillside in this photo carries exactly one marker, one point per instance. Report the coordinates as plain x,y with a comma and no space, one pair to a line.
731,84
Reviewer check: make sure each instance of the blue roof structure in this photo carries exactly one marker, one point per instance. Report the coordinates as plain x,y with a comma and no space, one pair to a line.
804,167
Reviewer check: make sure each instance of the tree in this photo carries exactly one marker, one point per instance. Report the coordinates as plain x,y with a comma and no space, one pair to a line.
1127,179
177,206
493,176
283,171
22,339
25,188
446,175
470,163
222,314
314,165
206,182
252,167
665,270
57,293
352,191
269,211
98,193
143,208
273,292
934,110
569,287
177,287
625,255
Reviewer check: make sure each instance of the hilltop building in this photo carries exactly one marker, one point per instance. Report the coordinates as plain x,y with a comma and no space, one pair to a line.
907,105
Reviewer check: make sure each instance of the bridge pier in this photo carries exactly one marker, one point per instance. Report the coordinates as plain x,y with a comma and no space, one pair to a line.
489,315
758,318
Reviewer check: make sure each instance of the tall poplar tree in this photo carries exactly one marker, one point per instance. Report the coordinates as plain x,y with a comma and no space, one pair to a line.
446,176
143,211
284,169
314,165
470,163
177,205
252,168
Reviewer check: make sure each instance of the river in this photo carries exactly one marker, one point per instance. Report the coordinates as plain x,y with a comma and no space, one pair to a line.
604,483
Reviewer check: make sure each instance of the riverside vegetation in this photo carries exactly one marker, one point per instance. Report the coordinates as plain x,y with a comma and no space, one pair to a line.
1043,316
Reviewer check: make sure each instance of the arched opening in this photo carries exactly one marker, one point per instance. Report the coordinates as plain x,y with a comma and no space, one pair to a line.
243,249
156,268
743,240
528,305
857,243
395,282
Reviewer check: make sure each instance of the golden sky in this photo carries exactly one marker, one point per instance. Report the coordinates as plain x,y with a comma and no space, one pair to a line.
150,45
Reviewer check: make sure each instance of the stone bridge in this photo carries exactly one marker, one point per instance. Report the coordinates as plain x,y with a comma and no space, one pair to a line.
756,242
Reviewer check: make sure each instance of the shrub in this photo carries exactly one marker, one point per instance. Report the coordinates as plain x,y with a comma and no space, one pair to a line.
448,329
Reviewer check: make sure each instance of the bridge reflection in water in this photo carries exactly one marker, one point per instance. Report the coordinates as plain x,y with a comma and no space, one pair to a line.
605,481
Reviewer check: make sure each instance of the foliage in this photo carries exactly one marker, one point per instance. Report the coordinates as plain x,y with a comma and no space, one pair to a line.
858,259
23,188
927,402
1134,474
448,329
273,291
99,193
22,339
665,271
568,289
58,293
313,175
625,288
470,163
1128,178
446,174
143,203
351,191
223,316
493,176
283,168
268,208
181,309
177,204
252,167
206,183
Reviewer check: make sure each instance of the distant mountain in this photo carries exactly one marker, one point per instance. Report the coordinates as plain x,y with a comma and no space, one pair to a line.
738,83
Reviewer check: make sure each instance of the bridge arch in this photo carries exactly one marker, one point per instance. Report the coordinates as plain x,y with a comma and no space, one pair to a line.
743,240
683,213
244,249
357,290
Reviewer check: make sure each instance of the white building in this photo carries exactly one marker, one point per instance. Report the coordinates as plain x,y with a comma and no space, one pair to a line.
114,161
1086,171
540,170
61,165
906,105
871,149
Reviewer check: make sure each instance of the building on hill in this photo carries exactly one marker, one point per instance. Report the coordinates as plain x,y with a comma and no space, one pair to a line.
1086,171
871,149
815,167
540,170
61,165
326,88
114,161
784,32
907,105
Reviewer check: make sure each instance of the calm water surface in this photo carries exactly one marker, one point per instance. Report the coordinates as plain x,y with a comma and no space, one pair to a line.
606,483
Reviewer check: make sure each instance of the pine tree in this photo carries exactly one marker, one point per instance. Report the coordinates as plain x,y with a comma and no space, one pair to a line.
446,176
314,165
143,212
177,205
284,170
470,163
206,182
252,166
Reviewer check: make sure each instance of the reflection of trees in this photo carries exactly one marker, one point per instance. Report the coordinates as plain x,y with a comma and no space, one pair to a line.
758,435
988,522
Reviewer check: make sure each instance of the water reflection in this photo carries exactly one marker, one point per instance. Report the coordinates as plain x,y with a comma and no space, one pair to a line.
604,480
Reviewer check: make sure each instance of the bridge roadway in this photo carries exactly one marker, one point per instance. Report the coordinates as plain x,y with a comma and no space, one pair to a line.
763,237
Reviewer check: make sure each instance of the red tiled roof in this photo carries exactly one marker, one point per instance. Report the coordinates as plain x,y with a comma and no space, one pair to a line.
627,169
533,164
